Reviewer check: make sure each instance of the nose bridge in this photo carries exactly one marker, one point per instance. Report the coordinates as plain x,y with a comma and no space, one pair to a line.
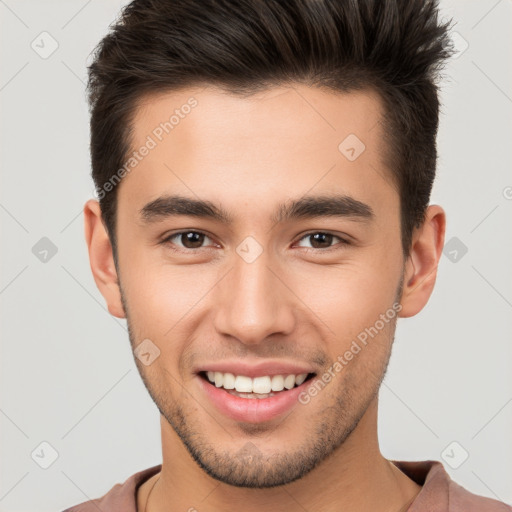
252,303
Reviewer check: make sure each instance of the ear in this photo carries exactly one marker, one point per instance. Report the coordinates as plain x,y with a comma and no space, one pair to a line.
101,258
421,266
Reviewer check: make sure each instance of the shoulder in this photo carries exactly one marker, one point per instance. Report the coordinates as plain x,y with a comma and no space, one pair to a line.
463,500
122,497
439,493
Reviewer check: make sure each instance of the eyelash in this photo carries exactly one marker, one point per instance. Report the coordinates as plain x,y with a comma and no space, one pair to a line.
342,241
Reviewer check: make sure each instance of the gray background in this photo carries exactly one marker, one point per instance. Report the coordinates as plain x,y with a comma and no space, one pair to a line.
67,374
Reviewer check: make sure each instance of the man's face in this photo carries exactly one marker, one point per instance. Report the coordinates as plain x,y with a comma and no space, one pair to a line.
292,290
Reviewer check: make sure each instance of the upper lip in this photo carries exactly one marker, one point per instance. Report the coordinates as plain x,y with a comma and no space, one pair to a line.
259,369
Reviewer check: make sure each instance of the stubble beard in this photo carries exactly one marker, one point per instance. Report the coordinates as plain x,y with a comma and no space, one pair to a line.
249,466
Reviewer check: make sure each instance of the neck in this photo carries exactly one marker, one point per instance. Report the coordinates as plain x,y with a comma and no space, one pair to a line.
356,477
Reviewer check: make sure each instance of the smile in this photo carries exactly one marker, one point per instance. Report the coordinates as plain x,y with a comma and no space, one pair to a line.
234,395
257,387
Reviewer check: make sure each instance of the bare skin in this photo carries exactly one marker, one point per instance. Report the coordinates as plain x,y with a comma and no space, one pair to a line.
298,301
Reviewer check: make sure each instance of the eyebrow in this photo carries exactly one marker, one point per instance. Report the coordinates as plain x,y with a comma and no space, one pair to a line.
307,207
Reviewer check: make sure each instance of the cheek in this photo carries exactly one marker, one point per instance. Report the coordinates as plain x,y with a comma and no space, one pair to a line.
162,298
350,297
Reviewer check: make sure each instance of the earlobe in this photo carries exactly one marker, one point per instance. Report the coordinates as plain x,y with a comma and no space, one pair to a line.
101,258
421,266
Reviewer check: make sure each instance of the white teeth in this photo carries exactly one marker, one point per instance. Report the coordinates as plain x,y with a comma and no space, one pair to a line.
261,386
277,383
229,381
243,384
299,379
289,381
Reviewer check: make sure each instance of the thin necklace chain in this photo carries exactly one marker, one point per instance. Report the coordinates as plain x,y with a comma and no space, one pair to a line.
149,494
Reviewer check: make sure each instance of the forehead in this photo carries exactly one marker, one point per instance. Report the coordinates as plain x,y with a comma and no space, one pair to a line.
294,111
287,139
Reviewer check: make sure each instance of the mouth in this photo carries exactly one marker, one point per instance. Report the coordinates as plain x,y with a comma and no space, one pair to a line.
253,400
262,387
254,393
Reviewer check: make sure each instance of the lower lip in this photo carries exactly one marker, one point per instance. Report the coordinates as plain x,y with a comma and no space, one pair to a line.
252,410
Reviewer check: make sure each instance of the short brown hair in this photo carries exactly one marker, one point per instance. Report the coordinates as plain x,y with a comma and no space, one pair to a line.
395,47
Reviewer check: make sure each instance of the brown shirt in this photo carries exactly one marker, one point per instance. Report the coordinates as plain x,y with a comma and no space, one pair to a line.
438,494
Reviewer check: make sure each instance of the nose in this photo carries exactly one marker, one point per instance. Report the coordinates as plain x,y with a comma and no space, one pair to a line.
252,302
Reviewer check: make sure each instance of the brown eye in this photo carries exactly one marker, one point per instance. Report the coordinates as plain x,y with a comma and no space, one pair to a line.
192,240
187,239
320,240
